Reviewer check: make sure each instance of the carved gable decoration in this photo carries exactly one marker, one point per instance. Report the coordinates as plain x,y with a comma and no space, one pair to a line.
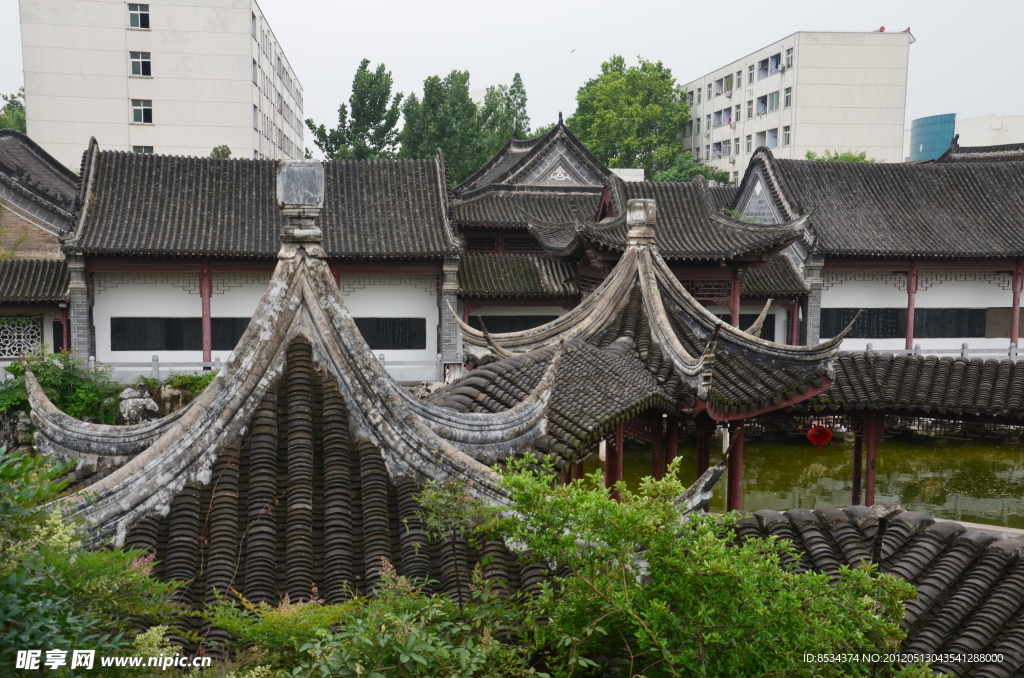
757,204
559,167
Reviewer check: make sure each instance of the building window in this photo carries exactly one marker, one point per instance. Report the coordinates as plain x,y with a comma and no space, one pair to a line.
891,323
140,64
749,141
707,122
254,24
255,73
142,111
739,79
699,90
750,75
726,148
394,334
20,335
789,58
785,135
697,127
707,152
762,105
762,69
689,100
738,109
750,109
138,15
787,100
174,334
709,92
772,138
500,324
735,178
773,102
142,149
736,145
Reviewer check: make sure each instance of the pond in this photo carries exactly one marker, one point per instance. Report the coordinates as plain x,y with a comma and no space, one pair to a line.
972,481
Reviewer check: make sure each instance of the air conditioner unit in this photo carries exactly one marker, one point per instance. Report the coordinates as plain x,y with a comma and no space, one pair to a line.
732,161
782,67
732,125
728,95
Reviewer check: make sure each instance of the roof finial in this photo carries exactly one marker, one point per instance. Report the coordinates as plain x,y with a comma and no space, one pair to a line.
560,123
641,215
300,195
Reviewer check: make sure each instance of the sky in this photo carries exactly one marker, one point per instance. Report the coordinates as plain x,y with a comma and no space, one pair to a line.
964,60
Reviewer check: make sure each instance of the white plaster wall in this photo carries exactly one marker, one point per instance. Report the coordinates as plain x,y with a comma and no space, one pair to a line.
781,327
236,295
144,295
398,296
78,82
990,130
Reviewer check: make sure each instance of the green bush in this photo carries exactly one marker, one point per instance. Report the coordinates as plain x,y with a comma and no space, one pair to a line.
78,392
54,593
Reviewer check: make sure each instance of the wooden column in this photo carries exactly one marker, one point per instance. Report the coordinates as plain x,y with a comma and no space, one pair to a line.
874,433
794,323
858,463
1018,282
336,272
673,440
734,499
577,471
205,292
65,329
911,301
734,301
657,428
613,461
465,311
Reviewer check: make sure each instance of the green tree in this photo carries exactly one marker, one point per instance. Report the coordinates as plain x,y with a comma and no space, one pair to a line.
12,115
503,115
75,391
631,116
687,166
836,156
221,152
370,129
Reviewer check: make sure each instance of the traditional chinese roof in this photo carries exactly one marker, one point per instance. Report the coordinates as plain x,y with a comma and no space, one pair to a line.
553,161
970,583
691,223
971,154
868,380
35,183
33,281
516,275
518,208
149,205
780,277
897,209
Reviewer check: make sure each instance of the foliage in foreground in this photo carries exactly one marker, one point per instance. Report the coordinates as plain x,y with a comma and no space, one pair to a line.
12,113
836,156
54,593
78,392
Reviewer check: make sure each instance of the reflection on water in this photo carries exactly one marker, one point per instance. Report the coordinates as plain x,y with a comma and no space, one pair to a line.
980,482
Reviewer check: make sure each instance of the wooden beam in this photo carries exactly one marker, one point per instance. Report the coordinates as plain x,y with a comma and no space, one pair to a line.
911,302
858,463
850,264
1018,282
734,498
205,292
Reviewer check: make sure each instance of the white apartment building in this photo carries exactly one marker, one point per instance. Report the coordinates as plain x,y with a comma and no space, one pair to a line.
171,78
810,91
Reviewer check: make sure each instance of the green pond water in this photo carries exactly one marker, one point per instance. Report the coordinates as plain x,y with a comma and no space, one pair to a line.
979,482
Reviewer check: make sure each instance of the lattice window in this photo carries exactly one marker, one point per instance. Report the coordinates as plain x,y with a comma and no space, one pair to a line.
521,243
19,335
394,334
480,243
891,323
710,292
501,324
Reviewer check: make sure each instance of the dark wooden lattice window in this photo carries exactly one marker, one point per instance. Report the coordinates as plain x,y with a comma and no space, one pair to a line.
891,323
521,243
174,334
499,324
480,243
394,334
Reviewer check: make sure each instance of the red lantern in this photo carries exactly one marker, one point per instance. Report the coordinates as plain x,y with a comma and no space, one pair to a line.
819,435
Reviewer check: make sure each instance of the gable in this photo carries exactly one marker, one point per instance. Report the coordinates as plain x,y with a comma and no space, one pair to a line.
757,205
559,166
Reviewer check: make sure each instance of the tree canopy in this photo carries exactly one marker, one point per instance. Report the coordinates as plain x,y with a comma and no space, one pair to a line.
687,166
631,116
836,156
221,152
367,127
12,115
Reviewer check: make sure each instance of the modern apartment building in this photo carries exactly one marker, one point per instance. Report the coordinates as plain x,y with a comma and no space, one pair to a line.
172,78
810,91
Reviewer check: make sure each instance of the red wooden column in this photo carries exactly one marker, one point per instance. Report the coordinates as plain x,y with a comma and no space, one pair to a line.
874,433
657,466
577,471
1018,282
336,272
911,301
734,498
65,328
794,323
673,440
734,300
465,311
205,292
613,461
858,463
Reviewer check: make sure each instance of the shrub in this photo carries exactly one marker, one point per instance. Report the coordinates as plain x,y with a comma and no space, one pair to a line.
78,392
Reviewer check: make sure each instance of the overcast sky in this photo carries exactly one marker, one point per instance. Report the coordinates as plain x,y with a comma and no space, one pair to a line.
964,60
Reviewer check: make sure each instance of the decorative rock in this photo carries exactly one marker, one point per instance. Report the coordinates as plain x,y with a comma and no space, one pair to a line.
173,398
137,406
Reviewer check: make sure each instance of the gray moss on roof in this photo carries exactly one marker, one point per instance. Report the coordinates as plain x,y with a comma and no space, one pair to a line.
175,206
33,280
516,275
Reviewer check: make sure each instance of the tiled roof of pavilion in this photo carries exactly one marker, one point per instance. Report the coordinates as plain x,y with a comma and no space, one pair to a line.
868,380
35,182
520,208
780,277
33,280
516,275
970,583
692,225
161,205
971,154
898,209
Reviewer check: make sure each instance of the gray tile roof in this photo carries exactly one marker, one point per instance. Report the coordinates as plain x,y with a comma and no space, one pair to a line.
147,205
1002,153
34,176
516,275
33,280
780,277
514,208
899,209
